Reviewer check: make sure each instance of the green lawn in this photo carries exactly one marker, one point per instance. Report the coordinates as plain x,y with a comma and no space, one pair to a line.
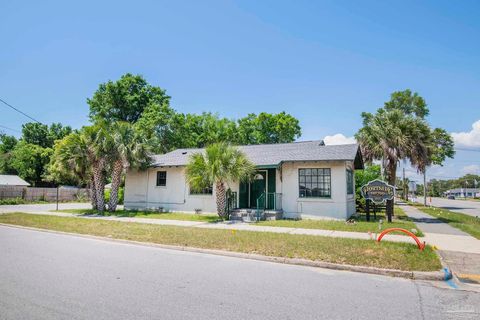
464,222
150,214
360,224
401,256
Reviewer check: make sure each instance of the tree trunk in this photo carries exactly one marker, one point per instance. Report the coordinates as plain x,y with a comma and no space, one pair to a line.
93,193
392,174
99,178
220,199
116,180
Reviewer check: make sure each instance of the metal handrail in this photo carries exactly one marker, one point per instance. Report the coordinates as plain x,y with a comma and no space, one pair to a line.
258,210
276,200
231,201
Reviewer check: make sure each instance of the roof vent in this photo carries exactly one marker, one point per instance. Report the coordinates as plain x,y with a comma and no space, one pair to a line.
322,143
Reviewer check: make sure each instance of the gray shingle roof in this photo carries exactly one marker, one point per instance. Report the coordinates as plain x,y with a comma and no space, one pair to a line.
12,180
274,154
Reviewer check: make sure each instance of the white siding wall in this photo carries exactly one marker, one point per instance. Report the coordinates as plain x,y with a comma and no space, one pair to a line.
296,207
141,192
175,196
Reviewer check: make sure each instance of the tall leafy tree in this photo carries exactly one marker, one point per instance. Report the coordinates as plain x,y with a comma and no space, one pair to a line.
7,144
441,146
124,99
37,134
219,164
57,131
42,135
208,128
267,128
409,102
30,161
158,124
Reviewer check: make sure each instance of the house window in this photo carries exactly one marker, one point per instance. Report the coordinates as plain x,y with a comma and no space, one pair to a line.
206,191
349,181
161,178
314,183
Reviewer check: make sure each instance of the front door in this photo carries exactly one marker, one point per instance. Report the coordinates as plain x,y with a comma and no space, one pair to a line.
257,187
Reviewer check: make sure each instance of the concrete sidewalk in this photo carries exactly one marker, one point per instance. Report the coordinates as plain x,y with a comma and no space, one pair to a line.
429,224
441,234
240,226
459,250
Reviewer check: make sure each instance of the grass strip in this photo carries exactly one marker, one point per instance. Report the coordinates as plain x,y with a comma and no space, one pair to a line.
464,222
357,224
392,255
148,214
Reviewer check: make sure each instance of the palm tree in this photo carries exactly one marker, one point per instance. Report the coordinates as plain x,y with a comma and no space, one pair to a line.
97,147
219,164
126,149
71,158
390,136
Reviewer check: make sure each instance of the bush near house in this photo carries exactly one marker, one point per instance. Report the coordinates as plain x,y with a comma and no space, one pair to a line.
12,201
121,194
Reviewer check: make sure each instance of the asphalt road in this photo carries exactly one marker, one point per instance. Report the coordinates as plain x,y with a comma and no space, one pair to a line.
51,276
469,207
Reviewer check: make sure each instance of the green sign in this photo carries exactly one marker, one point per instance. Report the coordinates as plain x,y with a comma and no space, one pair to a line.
378,191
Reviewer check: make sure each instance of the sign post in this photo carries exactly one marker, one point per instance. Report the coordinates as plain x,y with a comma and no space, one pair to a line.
378,192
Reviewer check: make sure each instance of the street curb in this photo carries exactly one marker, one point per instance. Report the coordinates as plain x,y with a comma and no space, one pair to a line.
440,275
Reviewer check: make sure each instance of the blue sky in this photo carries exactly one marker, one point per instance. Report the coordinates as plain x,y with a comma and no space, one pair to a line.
322,61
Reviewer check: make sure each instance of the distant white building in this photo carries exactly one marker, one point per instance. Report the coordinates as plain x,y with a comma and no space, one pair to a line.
12,180
463,192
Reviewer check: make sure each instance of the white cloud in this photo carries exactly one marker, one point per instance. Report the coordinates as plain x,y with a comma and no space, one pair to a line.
338,139
473,169
468,139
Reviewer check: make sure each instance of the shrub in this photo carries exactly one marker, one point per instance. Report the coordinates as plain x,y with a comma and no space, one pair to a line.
12,201
121,194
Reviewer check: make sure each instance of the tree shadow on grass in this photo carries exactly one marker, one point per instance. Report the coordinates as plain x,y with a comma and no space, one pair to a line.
427,220
458,208
149,214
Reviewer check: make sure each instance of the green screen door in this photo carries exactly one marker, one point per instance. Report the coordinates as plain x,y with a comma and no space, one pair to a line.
257,187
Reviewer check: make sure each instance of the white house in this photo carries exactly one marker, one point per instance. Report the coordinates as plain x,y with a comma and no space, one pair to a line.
300,179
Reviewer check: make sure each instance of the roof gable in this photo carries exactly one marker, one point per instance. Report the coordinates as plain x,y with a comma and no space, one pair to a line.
12,180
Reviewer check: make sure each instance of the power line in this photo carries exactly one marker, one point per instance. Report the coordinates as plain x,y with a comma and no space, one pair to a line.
26,115
15,130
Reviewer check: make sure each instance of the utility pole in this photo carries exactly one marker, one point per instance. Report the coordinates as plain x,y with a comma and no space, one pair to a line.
57,199
404,185
425,187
